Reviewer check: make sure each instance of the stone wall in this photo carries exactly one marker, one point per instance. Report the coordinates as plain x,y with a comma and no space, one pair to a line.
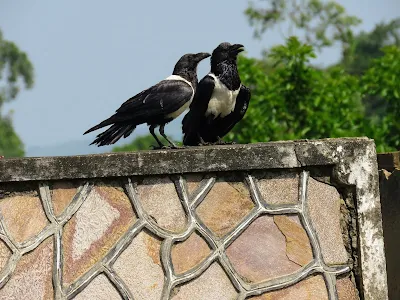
286,220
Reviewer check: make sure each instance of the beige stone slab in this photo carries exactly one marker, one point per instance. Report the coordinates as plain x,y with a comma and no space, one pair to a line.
160,200
278,189
100,289
139,267
346,289
102,219
188,254
259,253
213,284
312,288
23,216
298,247
323,203
193,181
225,206
62,193
32,278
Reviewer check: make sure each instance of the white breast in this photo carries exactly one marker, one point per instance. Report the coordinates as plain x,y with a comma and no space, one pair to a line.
222,101
177,113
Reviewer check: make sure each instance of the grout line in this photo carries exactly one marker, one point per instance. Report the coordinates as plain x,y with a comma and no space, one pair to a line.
118,283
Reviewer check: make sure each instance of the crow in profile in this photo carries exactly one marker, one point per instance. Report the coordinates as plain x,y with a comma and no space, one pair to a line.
155,106
220,100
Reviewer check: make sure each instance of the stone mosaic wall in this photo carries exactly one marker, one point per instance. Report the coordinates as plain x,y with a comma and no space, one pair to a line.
236,234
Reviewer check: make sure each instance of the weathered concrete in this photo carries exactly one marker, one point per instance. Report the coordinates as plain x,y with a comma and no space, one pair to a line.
274,155
348,165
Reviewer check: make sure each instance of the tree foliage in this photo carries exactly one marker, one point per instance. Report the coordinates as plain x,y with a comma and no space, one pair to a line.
291,99
382,80
10,144
15,70
298,101
368,46
323,23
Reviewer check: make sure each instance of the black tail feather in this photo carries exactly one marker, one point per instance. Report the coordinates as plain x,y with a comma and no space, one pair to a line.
113,134
105,123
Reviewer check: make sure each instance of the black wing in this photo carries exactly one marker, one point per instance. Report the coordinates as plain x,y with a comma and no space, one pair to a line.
198,108
160,100
242,103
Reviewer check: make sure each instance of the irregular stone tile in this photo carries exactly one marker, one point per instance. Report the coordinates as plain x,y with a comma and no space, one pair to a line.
259,253
32,278
346,289
100,289
62,193
193,181
139,267
23,216
5,254
312,288
160,200
102,219
188,254
225,206
324,209
213,284
298,247
278,189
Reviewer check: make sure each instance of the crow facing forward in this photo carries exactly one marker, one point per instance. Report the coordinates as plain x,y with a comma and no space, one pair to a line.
220,101
155,106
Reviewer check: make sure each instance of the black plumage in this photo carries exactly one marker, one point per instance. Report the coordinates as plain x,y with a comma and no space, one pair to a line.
220,102
156,105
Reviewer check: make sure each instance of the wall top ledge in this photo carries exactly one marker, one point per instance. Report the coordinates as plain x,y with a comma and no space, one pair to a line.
272,155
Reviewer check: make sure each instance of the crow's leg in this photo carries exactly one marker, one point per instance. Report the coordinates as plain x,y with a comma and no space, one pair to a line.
160,145
202,142
165,137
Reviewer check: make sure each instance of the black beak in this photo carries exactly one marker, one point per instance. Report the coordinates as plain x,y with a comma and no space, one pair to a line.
237,48
202,55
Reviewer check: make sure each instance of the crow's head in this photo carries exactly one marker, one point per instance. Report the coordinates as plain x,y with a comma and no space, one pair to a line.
190,61
226,52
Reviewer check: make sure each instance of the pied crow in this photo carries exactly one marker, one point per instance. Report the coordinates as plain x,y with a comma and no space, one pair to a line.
156,105
220,100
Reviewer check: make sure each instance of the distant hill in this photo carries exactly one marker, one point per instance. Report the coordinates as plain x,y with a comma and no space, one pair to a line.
81,147
78,147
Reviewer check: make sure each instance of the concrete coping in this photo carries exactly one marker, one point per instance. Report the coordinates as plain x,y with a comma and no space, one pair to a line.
273,155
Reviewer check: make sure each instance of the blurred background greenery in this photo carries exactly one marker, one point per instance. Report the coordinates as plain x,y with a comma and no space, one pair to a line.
291,98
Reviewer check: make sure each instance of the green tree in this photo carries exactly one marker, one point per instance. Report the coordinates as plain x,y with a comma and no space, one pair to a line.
382,80
320,23
15,68
368,46
292,99
297,101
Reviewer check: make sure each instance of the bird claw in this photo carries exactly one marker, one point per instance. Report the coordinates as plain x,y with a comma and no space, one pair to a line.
204,144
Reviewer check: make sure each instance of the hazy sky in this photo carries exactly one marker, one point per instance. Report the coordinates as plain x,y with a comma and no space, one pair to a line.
90,56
